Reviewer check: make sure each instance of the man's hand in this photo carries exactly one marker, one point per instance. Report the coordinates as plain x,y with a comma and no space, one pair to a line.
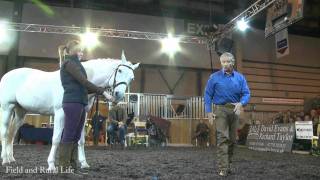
108,96
211,118
237,108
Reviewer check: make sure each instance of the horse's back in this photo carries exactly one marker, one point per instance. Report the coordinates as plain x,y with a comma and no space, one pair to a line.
10,82
21,79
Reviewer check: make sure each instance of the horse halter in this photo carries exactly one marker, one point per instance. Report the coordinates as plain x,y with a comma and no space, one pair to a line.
115,84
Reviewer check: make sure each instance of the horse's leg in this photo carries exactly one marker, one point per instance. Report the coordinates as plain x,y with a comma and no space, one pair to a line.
5,122
81,154
81,142
56,137
15,125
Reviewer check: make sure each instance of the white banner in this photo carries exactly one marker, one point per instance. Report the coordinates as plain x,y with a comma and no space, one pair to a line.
283,101
282,43
304,129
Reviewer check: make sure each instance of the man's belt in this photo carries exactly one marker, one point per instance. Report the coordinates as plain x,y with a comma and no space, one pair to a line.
228,105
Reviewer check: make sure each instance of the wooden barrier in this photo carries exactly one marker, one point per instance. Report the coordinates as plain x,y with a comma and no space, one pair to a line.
182,130
103,110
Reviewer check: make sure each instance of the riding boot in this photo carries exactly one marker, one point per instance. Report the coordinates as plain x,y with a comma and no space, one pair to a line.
65,157
73,162
65,150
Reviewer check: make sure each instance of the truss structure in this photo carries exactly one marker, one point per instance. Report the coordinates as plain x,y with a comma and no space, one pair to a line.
113,33
246,15
254,9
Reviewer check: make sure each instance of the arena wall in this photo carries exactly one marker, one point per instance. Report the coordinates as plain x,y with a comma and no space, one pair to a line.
294,76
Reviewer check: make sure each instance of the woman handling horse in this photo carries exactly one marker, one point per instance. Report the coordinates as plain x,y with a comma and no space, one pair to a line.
75,98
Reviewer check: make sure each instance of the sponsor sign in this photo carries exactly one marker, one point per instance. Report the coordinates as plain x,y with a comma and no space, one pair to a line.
271,137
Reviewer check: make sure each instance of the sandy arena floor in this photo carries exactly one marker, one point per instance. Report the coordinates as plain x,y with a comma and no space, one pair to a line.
168,163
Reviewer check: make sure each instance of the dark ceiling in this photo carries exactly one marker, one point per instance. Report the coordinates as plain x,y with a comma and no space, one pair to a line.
206,11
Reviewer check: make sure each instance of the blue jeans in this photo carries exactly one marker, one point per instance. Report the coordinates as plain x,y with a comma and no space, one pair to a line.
111,130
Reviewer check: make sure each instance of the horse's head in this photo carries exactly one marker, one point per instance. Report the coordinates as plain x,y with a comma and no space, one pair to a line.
123,76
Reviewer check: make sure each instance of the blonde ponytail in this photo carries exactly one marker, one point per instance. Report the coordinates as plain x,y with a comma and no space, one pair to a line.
62,49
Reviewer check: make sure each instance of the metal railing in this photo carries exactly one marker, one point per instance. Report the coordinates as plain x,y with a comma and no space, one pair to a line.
164,106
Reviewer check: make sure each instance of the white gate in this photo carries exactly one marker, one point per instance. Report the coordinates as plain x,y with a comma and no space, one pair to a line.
164,106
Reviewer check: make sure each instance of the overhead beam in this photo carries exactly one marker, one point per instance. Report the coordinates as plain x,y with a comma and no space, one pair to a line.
254,9
246,15
114,33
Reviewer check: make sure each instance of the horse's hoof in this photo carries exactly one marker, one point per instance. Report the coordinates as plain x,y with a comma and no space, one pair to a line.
5,162
84,165
11,159
51,168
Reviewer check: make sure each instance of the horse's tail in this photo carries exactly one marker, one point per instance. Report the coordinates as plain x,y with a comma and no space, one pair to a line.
11,124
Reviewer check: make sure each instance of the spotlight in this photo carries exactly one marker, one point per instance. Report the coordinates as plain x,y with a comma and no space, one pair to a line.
89,39
3,32
242,25
170,45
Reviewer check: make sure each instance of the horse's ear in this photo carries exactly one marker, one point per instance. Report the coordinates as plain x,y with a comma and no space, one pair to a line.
123,57
135,66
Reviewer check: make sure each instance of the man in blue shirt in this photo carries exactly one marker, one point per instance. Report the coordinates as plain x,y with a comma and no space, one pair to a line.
227,89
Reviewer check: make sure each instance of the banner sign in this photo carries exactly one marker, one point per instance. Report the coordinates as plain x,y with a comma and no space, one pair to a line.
304,129
271,137
282,43
283,13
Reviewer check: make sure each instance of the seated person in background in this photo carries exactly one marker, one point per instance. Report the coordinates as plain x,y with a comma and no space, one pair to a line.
298,118
116,121
155,133
291,120
97,121
315,120
301,115
152,132
279,118
129,118
287,117
306,117
202,133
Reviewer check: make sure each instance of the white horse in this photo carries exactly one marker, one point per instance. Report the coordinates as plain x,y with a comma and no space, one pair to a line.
29,90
